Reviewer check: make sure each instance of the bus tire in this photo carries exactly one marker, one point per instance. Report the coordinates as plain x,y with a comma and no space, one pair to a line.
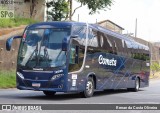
89,88
136,87
49,93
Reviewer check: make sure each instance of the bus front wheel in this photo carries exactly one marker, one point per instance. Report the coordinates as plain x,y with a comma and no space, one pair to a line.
89,88
49,93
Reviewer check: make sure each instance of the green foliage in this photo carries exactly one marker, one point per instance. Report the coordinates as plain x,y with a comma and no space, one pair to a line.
7,79
155,67
58,10
96,5
14,22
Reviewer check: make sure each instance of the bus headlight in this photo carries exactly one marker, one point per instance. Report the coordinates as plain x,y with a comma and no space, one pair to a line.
20,75
56,76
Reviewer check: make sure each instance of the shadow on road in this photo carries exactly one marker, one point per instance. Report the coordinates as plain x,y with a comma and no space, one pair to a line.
112,92
63,96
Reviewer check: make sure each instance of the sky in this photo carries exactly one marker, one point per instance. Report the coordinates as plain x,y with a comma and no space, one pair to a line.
124,13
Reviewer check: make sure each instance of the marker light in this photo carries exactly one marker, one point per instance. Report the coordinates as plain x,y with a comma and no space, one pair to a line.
24,35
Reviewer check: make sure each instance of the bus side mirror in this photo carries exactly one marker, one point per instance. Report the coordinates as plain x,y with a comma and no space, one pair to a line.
65,43
9,42
66,40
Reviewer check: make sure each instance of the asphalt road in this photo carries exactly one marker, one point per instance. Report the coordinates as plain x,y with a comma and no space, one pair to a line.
149,95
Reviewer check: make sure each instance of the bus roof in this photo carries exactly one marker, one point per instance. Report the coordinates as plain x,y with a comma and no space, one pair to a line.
120,36
68,24
54,24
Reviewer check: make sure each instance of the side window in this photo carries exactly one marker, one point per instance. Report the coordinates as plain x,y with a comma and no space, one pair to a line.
92,42
128,48
119,46
92,38
105,44
100,42
116,48
77,48
138,51
110,44
144,56
143,53
147,54
125,50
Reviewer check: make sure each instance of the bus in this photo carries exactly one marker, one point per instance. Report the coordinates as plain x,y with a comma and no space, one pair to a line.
79,57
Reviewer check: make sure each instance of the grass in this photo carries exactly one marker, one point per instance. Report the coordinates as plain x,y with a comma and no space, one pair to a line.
14,22
7,79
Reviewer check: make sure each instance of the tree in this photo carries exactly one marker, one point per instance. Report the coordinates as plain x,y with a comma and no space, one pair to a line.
58,10
155,67
32,7
93,5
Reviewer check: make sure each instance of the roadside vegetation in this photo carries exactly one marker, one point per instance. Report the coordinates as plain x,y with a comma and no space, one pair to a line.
15,22
155,70
7,79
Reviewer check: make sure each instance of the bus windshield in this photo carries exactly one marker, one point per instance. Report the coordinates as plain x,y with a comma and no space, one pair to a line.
41,48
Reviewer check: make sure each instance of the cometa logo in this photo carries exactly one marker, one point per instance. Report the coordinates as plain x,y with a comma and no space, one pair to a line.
106,61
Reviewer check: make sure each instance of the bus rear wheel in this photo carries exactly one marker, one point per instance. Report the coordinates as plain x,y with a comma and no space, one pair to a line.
89,88
49,93
136,87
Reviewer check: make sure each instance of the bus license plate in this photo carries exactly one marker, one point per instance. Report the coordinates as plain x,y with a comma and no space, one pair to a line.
36,84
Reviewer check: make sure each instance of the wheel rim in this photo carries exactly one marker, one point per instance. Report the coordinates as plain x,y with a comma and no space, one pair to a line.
89,87
137,84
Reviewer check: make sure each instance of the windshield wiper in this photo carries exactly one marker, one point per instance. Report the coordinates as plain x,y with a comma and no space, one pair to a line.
58,55
46,56
36,55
